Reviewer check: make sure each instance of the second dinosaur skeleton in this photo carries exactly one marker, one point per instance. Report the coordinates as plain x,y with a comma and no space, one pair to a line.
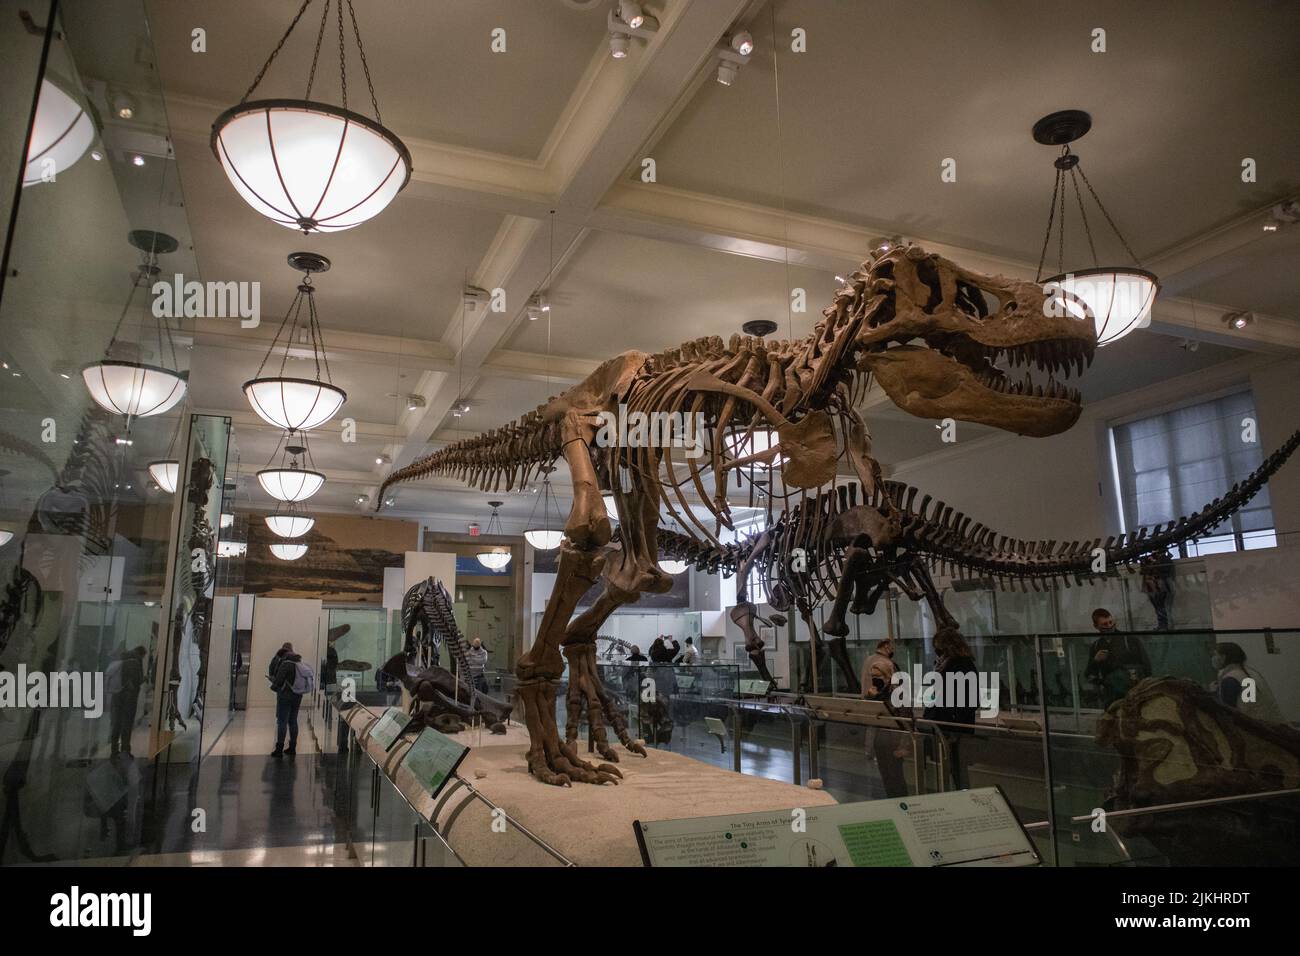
941,342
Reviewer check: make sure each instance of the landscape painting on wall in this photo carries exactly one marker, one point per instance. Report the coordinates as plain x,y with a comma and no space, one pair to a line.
344,564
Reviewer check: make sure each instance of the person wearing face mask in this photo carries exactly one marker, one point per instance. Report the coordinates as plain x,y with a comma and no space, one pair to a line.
888,748
1115,661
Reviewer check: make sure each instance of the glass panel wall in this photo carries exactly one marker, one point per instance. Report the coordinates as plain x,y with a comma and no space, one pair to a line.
92,392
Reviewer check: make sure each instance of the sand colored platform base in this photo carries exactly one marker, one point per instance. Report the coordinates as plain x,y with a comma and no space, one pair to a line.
592,825
589,825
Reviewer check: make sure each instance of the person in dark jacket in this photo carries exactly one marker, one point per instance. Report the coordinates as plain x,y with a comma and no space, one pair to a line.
124,677
953,657
1116,661
636,657
287,702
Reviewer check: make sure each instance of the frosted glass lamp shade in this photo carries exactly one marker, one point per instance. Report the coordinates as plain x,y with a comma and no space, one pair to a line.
1117,300
289,526
133,389
60,135
544,540
672,566
165,473
290,484
5,537
310,166
286,551
294,404
494,560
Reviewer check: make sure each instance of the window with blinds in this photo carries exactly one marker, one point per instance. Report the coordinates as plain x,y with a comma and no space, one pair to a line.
1175,463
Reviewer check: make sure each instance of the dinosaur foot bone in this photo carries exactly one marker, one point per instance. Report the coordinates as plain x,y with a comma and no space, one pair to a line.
550,760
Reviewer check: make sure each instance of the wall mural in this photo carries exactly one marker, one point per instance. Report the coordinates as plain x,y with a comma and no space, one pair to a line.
344,563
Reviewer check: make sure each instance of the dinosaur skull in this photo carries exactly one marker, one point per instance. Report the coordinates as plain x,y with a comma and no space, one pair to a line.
940,348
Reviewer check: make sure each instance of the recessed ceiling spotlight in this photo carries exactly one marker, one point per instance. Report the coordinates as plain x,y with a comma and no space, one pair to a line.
362,499
618,44
1238,320
389,501
123,106
383,460
743,43
137,160
96,155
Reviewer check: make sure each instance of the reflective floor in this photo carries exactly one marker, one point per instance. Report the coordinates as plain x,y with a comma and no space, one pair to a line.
252,809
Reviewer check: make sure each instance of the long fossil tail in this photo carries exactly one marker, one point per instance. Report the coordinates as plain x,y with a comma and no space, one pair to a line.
510,453
952,540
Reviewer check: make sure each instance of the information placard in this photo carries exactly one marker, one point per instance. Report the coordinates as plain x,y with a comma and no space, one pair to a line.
390,726
433,758
962,828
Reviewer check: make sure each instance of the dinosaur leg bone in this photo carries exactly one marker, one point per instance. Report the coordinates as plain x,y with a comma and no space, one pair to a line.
585,686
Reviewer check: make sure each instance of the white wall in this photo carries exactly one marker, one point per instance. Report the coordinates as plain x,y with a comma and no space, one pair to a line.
276,620
421,565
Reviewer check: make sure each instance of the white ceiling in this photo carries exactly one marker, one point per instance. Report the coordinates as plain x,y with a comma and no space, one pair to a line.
757,193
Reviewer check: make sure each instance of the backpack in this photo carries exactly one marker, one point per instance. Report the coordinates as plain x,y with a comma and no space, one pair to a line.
304,679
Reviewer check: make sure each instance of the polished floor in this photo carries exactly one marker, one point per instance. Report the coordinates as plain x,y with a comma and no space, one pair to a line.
256,810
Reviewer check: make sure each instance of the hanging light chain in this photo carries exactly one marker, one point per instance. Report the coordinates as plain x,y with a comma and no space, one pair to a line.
1047,237
320,35
1083,214
365,67
1111,222
274,53
343,57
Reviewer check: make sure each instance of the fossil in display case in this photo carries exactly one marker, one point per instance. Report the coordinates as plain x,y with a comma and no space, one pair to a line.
781,416
439,698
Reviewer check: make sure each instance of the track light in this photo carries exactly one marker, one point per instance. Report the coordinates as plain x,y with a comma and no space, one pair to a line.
626,20
743,43
1238,320
414,402
123,106
472,297
538,305
730,59
137,160
383,460
630,12
726,73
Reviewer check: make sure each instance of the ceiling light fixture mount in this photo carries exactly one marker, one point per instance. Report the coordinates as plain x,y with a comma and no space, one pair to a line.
627,19
759,327
306,164
1117,299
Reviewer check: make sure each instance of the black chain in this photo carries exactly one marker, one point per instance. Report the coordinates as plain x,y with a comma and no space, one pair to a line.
1060,246
356,32
1047,237
1083,213
343,59
320,35
1114,228
265,66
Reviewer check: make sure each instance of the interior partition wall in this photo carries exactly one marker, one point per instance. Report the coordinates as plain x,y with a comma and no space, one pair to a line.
87,533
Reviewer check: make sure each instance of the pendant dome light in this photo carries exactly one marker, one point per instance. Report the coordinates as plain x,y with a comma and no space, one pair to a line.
494,558
309,165
61,133
164,473
127,387
546,533
288,521
1118,299
288,551
289,481
297,404
672,565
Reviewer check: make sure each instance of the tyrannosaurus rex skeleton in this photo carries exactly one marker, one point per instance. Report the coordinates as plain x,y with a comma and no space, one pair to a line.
928,330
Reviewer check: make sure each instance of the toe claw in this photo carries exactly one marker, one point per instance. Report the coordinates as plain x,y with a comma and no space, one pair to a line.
607,769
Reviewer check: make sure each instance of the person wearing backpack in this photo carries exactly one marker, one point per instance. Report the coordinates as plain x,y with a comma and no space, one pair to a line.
292,681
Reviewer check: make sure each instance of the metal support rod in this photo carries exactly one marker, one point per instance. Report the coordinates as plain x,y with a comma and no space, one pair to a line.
796,747
813,768
735,740
1047,745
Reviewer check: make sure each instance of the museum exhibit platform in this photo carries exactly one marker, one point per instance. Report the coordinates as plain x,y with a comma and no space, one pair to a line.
542,825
